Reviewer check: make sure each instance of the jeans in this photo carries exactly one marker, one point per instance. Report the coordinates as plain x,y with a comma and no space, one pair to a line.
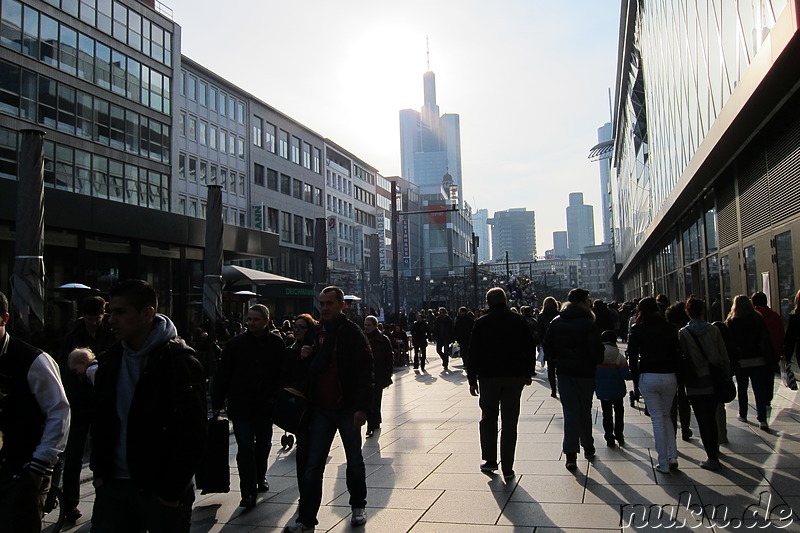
577,396
658,391
762,379
613,419
253,442
705,411
313,445
500,396
443,349
119,507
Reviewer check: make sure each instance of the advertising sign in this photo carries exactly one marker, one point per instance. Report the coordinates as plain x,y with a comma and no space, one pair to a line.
406,245
381,220
333,240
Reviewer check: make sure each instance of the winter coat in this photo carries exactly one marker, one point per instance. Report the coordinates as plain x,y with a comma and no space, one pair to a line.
443,330
463,330
419,334
713,353
572,342
501,345
775,329
382,358
166,422
653,347
611,375
751,339
249,374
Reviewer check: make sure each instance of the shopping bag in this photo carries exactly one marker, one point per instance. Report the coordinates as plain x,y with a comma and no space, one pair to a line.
214,474
455,350
787,375
288,409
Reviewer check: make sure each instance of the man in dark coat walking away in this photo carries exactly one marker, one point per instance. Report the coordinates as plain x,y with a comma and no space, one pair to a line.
150,431
93,332
383,366
501,363
340,394
572,343
249,375
462,331
443,335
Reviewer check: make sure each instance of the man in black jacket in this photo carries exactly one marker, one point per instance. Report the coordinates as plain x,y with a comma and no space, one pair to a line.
248,377
572,343
150,429
340,394
501,358
443,333
34,421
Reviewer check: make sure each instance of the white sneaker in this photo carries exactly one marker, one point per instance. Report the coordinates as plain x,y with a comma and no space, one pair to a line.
359,517
298,527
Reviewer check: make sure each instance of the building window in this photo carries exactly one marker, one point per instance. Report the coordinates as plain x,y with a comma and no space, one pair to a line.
191,88
257,128
316,161
297,189
192,169
241,184
306,155
318,196
212,98
272,220
272,179
309,232
182,166
201,93
283,144
192,128
201,137
269,137
299,230
308,194
203,175
240,148
286,184
286,226
295,148
240,112
258,174
212,137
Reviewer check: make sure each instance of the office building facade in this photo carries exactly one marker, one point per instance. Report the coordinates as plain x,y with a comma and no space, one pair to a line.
580,225
513,233
706,150
480,225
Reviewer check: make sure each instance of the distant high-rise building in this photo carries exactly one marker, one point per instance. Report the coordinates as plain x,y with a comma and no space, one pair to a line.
430,158
480,225
580,224
514,231
603,152
560,247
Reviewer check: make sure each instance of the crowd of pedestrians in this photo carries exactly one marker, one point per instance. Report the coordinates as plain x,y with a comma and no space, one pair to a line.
124,376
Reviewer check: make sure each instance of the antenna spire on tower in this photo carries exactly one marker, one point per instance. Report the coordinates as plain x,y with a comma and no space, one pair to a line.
428,52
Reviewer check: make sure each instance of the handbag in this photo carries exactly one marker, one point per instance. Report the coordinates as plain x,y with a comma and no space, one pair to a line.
289,408
787,374
213,475
724,389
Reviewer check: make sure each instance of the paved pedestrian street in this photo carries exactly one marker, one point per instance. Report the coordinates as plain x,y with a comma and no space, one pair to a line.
423,473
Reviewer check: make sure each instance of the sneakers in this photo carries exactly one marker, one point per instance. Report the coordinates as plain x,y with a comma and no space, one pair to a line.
489,466
298,527
359,517
662,469
710,464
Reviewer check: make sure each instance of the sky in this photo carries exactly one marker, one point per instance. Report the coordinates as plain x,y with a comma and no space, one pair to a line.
530,80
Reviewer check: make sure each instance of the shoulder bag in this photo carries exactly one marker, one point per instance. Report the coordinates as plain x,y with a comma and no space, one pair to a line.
724,389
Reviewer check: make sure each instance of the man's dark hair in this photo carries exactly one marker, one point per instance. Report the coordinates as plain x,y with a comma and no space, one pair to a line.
759,298
3,303
137,292
609,336
577,296
261,309
336,290
695,307
496,296
93,306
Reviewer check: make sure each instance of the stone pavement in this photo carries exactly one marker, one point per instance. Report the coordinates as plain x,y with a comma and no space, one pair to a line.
423,475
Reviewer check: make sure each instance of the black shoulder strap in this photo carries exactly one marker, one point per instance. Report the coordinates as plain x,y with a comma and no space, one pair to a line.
698,343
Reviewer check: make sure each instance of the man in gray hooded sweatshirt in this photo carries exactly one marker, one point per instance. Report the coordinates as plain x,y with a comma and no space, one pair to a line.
151,420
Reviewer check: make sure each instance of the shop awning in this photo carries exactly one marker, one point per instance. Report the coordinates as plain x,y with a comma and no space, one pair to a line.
237,276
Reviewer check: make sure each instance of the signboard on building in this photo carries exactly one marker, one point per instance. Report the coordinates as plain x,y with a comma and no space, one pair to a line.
258,216
333,240
382,255
406,246
358,245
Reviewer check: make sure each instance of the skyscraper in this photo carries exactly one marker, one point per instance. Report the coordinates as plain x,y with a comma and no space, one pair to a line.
430,158
560,246
580,224
514,231
480,225
603,152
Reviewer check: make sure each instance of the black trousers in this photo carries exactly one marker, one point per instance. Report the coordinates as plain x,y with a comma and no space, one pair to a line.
681,410
119,507
20,505
443,349
73,460
705,409
613,418
500,396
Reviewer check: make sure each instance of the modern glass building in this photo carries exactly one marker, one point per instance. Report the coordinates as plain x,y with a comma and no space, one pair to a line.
706,166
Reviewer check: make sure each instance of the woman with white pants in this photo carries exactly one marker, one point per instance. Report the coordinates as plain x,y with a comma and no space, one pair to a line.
653,353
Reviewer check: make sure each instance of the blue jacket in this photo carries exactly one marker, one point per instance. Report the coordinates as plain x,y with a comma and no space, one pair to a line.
611,375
